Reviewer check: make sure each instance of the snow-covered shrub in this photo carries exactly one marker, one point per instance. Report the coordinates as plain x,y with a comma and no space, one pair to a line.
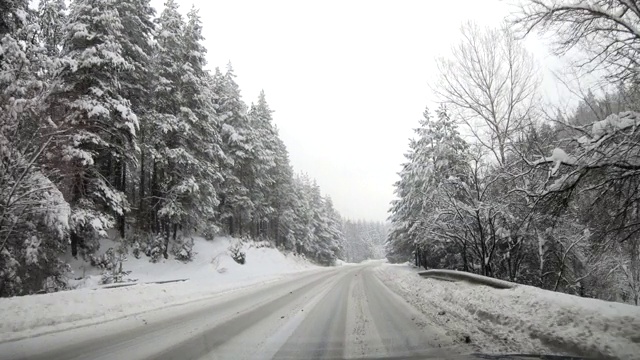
262,244
209,231
183,249
34,218
111,264
106,261
236,253
115,275
137,240
154,248
135,250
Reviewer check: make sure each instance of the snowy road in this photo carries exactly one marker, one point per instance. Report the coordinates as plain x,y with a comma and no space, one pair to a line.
343,312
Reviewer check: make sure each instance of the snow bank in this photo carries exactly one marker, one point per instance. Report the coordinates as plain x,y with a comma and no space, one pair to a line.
211,273
525,319
210,262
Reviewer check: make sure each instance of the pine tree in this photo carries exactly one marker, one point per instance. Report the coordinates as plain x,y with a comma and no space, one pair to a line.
186,154
52,18
405,210
98,123
263,162
335,230
238,141
437,154
206,143
301,225
33,213
282,197
135,82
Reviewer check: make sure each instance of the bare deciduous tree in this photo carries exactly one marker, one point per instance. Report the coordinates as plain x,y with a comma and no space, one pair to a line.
608,31
490,83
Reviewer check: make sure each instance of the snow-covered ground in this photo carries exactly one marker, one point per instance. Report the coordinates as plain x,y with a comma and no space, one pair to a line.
211,262
211,273
524,319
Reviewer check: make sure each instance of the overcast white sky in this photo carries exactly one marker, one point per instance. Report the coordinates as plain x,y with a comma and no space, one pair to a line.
348,80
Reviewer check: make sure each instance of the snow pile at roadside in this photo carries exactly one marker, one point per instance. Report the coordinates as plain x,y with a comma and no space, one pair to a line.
523,319
211,273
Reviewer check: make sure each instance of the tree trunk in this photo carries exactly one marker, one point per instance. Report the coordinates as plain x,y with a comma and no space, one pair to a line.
155,224
142,211
465,265
76,240
423,258
175,231
634,269
167,236
74,244
123,182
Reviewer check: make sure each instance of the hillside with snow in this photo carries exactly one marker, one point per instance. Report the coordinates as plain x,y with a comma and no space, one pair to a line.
211,261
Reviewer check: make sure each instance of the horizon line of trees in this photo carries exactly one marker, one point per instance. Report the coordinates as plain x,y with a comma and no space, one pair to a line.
364,240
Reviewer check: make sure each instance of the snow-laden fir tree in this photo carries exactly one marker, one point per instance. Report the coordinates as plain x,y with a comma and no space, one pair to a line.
282,196
52,18
436,156
183,128
262,187
33,213
96,123
238,141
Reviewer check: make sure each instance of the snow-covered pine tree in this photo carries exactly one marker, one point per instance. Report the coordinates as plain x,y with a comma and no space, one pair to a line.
406,208
334,229
52,18
183,127
327,235
283,198
301,224
446,156
33,214
136,17
162,124
263,163
437,154
96,122
206,145
238,139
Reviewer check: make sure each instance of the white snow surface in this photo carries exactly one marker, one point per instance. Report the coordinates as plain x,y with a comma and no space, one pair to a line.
614,122
524,319
211,273
558,157
211,262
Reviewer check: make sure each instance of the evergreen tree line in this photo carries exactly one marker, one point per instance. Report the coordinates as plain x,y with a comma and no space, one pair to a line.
496,184
110,120
363,240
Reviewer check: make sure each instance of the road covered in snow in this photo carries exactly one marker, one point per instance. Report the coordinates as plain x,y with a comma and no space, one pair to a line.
352,311
341,312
